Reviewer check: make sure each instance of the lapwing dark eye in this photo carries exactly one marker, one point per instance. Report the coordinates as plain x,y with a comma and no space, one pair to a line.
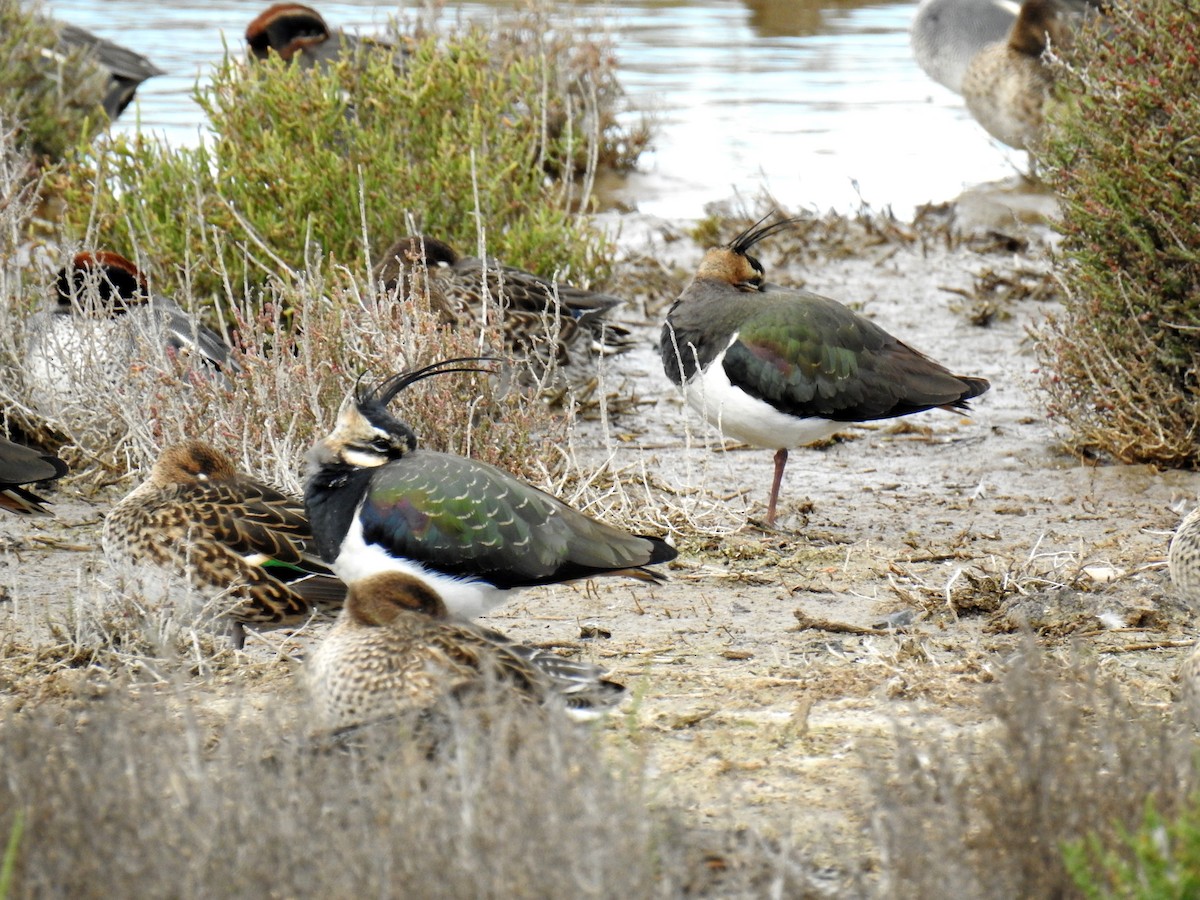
383,445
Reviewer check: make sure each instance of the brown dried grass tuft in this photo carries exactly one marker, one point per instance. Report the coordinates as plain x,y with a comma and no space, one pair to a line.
192,802
987,815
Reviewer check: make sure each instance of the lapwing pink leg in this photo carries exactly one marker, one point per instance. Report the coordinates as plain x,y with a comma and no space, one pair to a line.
781,456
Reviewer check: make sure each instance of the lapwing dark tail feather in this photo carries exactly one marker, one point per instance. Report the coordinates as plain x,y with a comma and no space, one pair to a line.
974,387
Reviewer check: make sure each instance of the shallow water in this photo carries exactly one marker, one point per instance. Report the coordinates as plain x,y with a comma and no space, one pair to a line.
817,101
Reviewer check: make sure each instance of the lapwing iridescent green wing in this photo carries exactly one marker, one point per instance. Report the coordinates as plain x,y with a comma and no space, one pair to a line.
19,466
235,539
779,368
394,649
378,503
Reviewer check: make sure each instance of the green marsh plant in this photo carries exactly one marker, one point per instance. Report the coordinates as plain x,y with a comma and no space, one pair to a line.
1122,361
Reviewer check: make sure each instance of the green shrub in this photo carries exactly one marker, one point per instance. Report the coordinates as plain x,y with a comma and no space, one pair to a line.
303,166
1123,360
272,225
1160,860
54,101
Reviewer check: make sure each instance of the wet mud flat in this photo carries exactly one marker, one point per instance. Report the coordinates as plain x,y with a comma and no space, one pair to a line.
912,557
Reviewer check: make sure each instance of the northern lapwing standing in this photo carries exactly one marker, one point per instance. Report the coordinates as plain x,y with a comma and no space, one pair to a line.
394,649
780,368
104,320
241,543
541,317
19,466
475,533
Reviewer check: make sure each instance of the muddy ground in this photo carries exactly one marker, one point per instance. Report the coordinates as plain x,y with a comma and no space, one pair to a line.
773,666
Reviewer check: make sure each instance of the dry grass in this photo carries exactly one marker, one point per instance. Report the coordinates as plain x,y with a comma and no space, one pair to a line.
301,344
1067,754
190,803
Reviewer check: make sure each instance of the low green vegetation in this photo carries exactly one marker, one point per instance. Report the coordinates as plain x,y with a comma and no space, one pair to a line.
270,227
53,100
457,136
1122,362
1158,861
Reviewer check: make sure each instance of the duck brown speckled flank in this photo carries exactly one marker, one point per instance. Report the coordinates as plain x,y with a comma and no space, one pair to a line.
474,532
1183,560
392,651
1189,685
1007,84
542,318
780,368
236,540
298,33
20,466
946,35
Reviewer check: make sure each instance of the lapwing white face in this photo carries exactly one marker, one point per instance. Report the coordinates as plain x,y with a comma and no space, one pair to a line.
359,443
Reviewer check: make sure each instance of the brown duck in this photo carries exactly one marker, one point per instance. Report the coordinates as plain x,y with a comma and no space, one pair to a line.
235,539
393,650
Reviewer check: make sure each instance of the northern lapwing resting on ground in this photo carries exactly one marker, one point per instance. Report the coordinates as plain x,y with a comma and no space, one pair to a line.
19,466
240,543
1007,84
123,69
542,318
394,650
104,321
473,532
780,368
298,33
